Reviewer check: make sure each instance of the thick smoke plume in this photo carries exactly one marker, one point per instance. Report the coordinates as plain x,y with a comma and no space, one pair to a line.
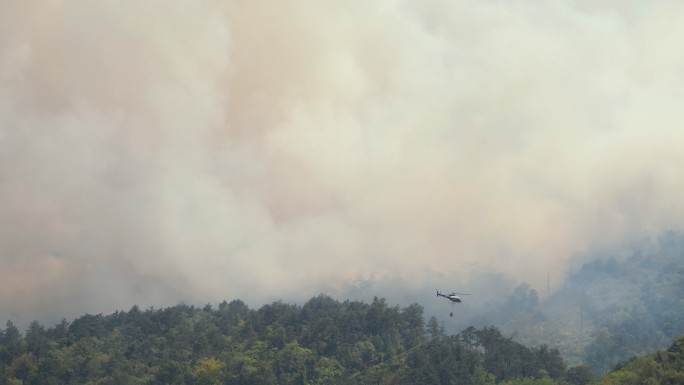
153,152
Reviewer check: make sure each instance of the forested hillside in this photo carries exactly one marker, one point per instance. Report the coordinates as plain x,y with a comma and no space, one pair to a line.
612,308
322,342
664,367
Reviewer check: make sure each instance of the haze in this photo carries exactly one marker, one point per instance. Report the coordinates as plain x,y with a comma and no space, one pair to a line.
159,152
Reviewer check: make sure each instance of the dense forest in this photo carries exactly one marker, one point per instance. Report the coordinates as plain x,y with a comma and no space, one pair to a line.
621,304
322,342
661,368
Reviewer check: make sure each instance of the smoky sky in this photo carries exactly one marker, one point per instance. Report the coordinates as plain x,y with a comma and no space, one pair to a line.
153,152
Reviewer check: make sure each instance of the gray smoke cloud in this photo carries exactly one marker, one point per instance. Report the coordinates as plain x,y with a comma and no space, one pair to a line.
162,151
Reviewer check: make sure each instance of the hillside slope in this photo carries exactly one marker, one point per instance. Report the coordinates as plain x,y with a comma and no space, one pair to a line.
664,367
322,342
612,308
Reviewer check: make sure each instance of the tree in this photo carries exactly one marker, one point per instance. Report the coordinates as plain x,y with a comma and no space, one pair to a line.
12,342
254,365
412,319
482,377
434,329
174,373
88,325
36,339
209,371
326,371
24,368
421,369
59,333
551,361
294,364
579,375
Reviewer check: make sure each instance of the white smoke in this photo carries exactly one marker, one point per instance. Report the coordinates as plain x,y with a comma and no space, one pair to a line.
164,151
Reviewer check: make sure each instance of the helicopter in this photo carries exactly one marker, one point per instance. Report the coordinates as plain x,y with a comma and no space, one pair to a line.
453,297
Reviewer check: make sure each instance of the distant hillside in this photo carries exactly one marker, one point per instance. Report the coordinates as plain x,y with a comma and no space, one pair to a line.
612,308
618,303
664,367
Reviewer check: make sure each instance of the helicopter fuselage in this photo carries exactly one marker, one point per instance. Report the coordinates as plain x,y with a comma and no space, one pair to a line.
451,297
